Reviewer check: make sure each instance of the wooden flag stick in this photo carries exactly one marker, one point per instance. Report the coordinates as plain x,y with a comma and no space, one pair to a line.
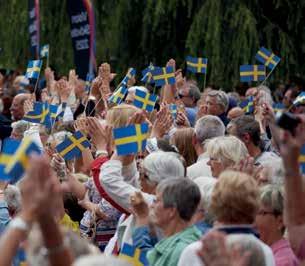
264,81
48,57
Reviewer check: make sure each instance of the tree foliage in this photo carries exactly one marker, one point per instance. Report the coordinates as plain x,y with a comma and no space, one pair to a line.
136,32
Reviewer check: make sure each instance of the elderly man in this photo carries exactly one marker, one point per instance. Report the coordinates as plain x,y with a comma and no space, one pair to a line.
189,94
247,129
217,104
206,128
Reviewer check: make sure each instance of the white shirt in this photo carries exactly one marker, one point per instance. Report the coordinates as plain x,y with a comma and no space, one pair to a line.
200,168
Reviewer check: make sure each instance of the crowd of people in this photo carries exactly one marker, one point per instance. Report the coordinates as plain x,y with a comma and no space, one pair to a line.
216,185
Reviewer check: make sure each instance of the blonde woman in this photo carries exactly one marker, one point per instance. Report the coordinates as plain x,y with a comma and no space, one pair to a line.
225,152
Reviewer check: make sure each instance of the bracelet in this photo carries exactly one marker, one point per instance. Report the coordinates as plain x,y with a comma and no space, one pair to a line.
56,249
98,153
19,223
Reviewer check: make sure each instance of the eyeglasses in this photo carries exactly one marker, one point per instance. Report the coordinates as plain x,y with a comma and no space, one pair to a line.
180,96
264,213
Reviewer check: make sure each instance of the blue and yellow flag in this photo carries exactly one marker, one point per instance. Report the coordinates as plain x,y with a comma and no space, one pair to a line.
252,73
302,160
118,96
73,146
147,76
278,107
196,64
164,75
247,105
173,110
8,149
89,79
44,51
130,74
145,100
300,100
130,139
60,116
133,255
40,114
17,155
267,58
33,69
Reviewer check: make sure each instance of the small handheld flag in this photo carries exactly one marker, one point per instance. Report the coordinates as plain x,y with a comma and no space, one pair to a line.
73,146
39,115
300,100
247,105
89,79
44,51
118,96
267,58
173,110
130,139
133,255
18,154
147,75
196,64
163,76
130,74
145,100
33,69
252,73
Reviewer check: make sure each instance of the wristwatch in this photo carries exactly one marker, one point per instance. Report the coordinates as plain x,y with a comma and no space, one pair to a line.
19,223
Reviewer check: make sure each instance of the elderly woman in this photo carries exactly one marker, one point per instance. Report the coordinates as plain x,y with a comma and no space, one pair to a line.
225,152
234,205
271,227
176,202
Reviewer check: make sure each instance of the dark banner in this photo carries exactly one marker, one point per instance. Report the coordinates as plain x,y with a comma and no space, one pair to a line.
34,27
83,35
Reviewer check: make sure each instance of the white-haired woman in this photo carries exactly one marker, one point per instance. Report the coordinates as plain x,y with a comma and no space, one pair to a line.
225,152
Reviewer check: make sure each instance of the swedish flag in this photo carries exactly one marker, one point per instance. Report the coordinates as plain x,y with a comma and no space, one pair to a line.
164,75
73,146
118,96
130,139
267,58
147,75
40,114
247,105
44,51
89,79
17,154
196,64
302,160
300,100
145,100
278,107
8,150
252,73
133,255
33,69
173,110
130,74
60,116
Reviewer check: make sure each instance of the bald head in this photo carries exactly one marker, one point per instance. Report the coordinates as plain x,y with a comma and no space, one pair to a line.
16,109
235,112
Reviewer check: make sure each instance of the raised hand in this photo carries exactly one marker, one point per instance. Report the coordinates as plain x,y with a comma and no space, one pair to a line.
139,208
64,89
100,134
162,124
28,106
182,120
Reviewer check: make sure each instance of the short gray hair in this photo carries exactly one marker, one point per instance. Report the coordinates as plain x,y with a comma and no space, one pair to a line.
272,196
194,92
208,127
161,165
20,126
221,97
100,260
182,194
248,243
12,197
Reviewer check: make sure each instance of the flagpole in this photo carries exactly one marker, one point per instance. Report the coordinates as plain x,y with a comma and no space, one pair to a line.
267,76
204,82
